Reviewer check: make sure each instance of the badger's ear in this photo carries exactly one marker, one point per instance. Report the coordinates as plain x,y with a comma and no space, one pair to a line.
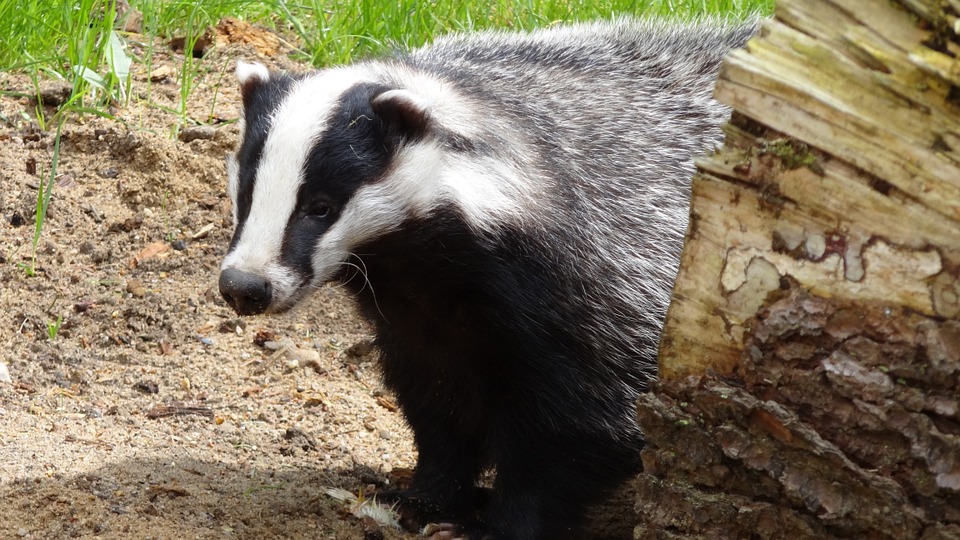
404,111
251,77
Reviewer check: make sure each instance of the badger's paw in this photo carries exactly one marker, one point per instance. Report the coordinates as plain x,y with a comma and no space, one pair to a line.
417,509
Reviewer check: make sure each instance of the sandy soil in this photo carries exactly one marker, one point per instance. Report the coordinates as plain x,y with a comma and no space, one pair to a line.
153,412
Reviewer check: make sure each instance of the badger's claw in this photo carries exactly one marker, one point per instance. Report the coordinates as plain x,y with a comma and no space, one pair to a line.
440,531
451,531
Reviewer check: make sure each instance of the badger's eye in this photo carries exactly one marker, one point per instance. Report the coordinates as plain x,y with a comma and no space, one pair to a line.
317,207
320,210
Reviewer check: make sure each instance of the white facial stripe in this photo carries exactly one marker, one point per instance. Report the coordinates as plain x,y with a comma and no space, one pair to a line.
294,129
233,181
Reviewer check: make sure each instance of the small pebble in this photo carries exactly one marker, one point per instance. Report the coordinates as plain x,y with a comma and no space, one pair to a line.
231,326
22,532
203,232
305,356
274,345
161,73
206,341
66,181
193,133
179,245
136,288
147,387
5,374
360,349
261,337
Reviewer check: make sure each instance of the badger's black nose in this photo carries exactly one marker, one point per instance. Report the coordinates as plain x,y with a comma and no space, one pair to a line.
247,293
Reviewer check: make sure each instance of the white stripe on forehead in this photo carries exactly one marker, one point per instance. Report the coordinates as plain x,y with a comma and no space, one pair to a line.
294,129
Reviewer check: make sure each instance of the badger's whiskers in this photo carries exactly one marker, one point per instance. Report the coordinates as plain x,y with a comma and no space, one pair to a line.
355,269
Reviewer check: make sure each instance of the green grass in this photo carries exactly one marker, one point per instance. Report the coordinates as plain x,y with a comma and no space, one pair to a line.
43,201
349,29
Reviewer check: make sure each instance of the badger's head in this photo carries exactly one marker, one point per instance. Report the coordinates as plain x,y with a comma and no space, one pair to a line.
330,161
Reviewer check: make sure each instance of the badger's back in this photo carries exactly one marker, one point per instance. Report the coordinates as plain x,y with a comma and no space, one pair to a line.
603,96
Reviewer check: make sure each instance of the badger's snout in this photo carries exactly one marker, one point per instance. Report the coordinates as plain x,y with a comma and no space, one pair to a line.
246,292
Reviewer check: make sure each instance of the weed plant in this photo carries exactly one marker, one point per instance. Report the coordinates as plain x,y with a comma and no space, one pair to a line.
53,328
44,191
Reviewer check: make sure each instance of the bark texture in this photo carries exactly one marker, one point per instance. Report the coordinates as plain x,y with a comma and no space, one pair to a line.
810,364
843,422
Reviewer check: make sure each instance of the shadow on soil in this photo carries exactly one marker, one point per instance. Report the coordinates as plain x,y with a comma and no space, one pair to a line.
153,499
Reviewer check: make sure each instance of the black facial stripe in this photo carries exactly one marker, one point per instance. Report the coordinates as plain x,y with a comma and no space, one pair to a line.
351,152
260,102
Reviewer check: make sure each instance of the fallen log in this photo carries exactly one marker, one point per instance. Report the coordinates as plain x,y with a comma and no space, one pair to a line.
810,362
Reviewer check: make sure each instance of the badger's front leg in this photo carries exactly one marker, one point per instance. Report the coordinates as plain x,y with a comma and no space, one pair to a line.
551,467
449,461
449,440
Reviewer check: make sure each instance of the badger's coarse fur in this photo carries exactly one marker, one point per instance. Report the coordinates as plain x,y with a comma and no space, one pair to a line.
508,210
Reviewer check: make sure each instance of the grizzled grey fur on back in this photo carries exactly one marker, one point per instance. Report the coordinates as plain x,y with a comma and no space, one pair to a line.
508,211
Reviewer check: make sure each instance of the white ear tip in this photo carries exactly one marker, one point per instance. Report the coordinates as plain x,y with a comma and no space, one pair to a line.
250,71
403,96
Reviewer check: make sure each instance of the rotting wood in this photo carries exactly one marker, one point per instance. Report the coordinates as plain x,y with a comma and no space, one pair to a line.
810,362
842,172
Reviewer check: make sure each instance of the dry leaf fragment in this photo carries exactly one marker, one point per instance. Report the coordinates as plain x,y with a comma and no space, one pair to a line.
157,250
387,404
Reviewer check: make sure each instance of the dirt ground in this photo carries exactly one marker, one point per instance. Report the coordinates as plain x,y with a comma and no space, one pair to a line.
152,411
133,402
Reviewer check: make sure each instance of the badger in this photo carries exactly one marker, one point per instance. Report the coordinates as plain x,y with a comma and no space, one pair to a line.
508,210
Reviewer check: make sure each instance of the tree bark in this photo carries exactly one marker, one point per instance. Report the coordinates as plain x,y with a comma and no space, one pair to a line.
810,362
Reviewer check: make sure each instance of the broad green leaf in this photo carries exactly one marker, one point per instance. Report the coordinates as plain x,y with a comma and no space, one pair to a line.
91,77
117,56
